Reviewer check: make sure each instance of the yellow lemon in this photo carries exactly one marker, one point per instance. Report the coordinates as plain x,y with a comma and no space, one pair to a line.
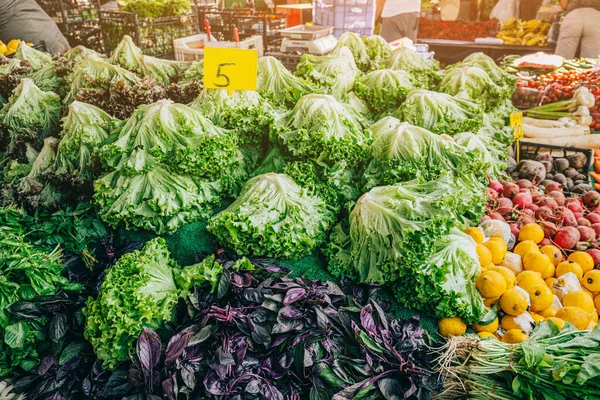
597,302
553,253
537,318
508,322
451,327
540,296
550,282
485,335
485,255
579,299
550,271
548,312
476,233
525,247
490,284
575,315
536,261
560,323
591,294
491,327
491,301
498,249
2,48
569,266
529,278
13,44
507,274
513,302
513,336
532,232
585,261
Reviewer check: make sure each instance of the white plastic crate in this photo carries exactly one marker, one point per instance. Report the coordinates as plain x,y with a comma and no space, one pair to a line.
191,48
351,16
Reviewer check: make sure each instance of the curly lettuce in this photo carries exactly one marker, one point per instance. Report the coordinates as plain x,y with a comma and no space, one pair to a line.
495,72
163,71
378,50
384,90
440,113
127,55
275,83
356,45
37,59
425,71
273,217
494,158
474,84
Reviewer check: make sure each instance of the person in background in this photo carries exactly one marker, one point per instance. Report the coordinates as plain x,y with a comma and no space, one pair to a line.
580,29
400,18
26,20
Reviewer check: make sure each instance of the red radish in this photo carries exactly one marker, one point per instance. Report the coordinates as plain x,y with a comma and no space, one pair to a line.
574,205
510,189
578,215
535,197
524,220
584,222
544,213
528,213
587,233
533,207
553,187
596,228
524,184
550,229
522,200
496,186
491,194
485,218
593,217
595,253
515,229
591,199
504,205
559,197
547,202
569,218
497,216
567,237
595,209
546,242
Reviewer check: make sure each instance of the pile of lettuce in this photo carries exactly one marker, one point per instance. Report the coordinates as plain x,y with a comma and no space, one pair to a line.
140,291
425,71
474,84
397,235
497,74
275,83
384,90
357,47
401,152
273,217
165,166
440,113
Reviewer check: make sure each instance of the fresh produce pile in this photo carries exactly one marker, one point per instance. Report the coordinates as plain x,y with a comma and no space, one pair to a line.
524,33
457,30
11,47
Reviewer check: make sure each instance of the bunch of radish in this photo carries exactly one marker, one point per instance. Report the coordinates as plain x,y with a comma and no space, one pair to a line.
570,223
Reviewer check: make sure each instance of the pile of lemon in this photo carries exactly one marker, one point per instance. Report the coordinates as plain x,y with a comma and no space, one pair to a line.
11,47
529,285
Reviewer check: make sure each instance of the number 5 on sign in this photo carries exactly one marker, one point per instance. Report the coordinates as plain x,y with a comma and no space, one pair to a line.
230,69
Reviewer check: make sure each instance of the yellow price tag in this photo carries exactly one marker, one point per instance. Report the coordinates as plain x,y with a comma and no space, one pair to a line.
516,119
230,69
519,132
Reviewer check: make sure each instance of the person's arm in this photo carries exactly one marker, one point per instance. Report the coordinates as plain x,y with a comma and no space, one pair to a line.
564,4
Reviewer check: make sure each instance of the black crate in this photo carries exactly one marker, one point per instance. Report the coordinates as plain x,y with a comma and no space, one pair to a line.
153,35
290,61
529,151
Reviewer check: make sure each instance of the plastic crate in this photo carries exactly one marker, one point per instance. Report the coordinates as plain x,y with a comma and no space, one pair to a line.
529,151
191,48
154,36
349,16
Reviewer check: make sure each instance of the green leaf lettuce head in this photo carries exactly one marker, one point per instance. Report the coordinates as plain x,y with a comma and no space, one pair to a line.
273,217
401,152
378,50
47,80
30,115
333,73
383,90
425,71
245,112
494,158
474,84
440,113
495,72
275,83
140,290
37,59
127,55
393,229
163,71
144,193
321,127
85,128
357,46
177,135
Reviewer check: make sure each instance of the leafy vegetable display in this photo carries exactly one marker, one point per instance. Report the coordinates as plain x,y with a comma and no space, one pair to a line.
156,8
493,156
496,73
35,58
401,152
357,46
378,50
272,217
12,71
139,291
29,116
383,90
275,83
320,126
440,113
333,73
474,84
262,335
405,59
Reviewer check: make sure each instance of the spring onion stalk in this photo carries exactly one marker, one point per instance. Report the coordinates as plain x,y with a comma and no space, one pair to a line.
571,108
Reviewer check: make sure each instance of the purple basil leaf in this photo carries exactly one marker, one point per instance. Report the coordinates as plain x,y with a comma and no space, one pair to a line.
58,327
294,295
213,385
168,386
392,389
46,363
253,387
285,284
176,345
322,319
188,376
368,322
148,352
204,334
290,312
241,280
381,315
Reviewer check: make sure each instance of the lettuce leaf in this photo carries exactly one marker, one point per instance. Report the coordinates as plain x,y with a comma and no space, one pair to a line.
127,55
357,46
425,71
275,83
37,59
474,84
378,50
384,90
